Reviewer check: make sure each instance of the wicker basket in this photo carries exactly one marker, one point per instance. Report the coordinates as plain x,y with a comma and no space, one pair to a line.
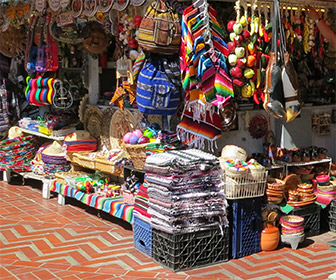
137,154
239,187
128,197
84,160
107,166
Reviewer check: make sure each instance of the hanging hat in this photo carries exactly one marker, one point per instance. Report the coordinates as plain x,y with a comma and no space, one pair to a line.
14,132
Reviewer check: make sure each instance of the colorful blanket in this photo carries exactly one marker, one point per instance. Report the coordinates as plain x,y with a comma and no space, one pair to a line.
114,206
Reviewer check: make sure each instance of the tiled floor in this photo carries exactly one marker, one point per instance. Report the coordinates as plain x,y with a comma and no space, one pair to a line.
43,240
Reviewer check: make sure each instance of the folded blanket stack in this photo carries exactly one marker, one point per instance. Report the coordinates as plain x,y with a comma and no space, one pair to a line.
141,203
184,193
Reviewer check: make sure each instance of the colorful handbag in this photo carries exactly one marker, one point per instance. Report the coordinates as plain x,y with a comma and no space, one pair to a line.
160,29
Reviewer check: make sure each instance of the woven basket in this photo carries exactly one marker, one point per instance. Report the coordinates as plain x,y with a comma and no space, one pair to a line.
84,160
107,166
137,154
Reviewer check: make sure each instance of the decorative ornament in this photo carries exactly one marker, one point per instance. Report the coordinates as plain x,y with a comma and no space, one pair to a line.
120,5
258,126
40,5
97,41
89,7
54,5
77,8
137,3
64,4
105,5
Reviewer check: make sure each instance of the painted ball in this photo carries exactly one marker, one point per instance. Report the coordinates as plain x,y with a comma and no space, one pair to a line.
127,137
133,139
143,140
137,132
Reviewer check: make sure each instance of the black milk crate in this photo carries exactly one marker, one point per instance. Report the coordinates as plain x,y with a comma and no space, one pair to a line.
246,226
142,232
312,215
190,250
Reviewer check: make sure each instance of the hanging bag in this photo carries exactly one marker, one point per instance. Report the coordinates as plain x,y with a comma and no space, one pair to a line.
282,98
274,97
289,81
157,90
160,29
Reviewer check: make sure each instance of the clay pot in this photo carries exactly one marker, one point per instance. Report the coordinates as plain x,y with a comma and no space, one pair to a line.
270,238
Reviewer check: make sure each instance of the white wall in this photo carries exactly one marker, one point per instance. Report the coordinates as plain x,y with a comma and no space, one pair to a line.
297,133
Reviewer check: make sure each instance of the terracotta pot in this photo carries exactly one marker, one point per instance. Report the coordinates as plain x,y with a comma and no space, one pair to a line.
270,238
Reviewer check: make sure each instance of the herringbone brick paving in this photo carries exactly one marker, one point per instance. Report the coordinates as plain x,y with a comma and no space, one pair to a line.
40,239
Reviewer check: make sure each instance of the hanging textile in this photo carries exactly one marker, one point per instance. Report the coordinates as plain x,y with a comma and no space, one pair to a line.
204,75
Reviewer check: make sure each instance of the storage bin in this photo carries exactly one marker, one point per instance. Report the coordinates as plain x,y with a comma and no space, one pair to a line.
246,226
190,250
142,232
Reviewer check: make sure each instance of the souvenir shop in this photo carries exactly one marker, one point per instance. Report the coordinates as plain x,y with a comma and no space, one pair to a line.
208,126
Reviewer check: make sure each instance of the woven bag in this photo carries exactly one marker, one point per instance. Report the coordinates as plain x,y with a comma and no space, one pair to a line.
160,29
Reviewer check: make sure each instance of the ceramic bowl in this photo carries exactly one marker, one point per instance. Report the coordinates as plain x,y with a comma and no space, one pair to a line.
323,180
291,221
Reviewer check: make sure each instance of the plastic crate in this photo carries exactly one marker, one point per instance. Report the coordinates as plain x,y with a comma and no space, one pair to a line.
190,250
142,232
312,215
246,225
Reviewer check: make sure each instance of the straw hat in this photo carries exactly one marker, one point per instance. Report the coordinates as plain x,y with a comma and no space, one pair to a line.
233,152
78,135
55,149
14,132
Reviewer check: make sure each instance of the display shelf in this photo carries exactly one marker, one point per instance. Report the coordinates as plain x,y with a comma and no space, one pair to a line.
30,175
304,163
58,138
275,166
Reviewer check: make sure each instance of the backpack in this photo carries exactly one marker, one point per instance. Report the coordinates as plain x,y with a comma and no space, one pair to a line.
158,87
160,29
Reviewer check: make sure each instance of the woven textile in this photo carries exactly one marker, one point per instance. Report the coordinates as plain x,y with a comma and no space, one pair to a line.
204,75
114,206
157,93
184,193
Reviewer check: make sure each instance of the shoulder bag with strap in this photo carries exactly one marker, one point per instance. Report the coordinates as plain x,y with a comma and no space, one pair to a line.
159,89
160,29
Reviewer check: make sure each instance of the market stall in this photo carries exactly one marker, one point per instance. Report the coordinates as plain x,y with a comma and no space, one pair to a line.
193,121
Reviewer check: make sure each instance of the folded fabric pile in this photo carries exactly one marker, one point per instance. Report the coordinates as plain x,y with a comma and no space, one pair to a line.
184,193
141,203
16,153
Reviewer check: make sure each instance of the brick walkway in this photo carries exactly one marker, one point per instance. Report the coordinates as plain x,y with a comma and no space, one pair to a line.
43,240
